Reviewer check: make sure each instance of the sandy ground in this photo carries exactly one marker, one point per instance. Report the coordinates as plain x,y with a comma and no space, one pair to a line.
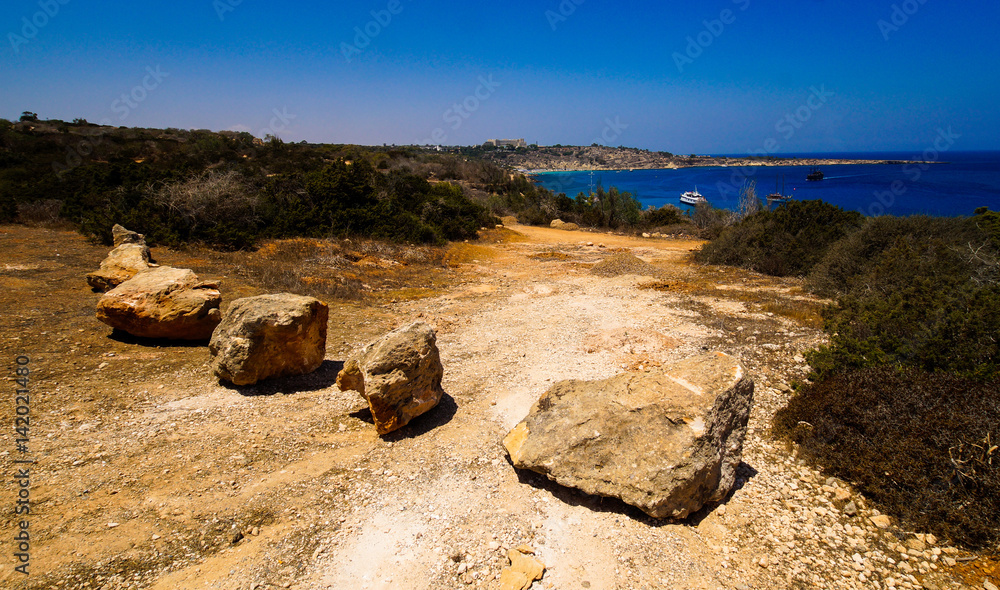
152,474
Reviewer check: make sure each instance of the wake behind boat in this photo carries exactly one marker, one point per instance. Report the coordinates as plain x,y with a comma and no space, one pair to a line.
693,197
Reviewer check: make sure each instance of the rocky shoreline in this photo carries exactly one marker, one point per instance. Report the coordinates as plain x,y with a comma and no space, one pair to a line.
598,158
729,163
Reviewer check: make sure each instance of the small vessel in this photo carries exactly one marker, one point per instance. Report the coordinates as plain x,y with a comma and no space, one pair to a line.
815,175
693,197
779,197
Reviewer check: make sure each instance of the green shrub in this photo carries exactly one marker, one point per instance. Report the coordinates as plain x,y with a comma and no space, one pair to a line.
921,444
886,252
664,216
787,241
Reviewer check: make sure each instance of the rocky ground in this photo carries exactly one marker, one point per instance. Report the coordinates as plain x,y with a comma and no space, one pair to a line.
151,474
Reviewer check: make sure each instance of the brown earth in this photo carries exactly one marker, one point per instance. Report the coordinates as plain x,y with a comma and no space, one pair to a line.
152,474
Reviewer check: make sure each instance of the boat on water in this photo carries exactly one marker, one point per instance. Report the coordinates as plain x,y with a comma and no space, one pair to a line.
815,175
693,197
779,196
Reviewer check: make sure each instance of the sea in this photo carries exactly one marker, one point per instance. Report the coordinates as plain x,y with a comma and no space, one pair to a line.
956,184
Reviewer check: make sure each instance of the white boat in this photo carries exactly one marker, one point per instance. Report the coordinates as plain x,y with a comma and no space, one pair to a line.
693,197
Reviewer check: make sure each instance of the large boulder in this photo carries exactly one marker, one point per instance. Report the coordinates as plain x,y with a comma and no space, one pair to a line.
666,441
130,257
163,302
270,336
399,375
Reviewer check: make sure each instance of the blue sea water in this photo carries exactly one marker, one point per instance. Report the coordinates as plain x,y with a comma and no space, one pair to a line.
957,185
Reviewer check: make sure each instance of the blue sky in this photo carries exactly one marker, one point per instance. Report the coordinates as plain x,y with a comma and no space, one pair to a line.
726,76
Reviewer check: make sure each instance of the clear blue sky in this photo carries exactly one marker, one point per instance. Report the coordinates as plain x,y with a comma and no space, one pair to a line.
546,71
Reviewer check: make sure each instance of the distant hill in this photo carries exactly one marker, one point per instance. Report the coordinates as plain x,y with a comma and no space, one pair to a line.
230,189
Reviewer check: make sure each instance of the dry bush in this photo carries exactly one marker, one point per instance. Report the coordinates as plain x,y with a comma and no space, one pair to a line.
923,445
749,203
39,213
210,198
337,269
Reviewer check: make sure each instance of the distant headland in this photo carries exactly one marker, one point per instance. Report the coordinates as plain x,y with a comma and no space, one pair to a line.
537,159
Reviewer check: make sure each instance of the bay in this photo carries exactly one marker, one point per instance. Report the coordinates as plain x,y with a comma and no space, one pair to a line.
957,185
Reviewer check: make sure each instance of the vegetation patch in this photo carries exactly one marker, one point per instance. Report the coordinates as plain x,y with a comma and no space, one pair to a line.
924,445
786,241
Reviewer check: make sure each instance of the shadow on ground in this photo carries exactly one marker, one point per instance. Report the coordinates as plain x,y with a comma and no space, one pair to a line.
419,426
126,338
574,497
322,378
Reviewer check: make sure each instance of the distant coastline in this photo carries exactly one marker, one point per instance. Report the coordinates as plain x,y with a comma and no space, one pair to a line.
541,160
731,163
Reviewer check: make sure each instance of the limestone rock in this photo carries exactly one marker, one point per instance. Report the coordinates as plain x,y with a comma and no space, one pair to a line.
399,375
120,235
130,257
163,302
667,441
524,570
269,336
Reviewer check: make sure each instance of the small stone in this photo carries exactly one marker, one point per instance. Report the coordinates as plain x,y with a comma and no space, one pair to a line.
881,521
916,544
987,585
851,509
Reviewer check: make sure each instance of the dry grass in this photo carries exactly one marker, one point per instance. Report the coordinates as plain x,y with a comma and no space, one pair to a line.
464,253
340,269
501,236
551,256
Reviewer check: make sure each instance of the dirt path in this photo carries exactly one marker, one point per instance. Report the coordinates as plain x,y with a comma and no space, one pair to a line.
151,474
